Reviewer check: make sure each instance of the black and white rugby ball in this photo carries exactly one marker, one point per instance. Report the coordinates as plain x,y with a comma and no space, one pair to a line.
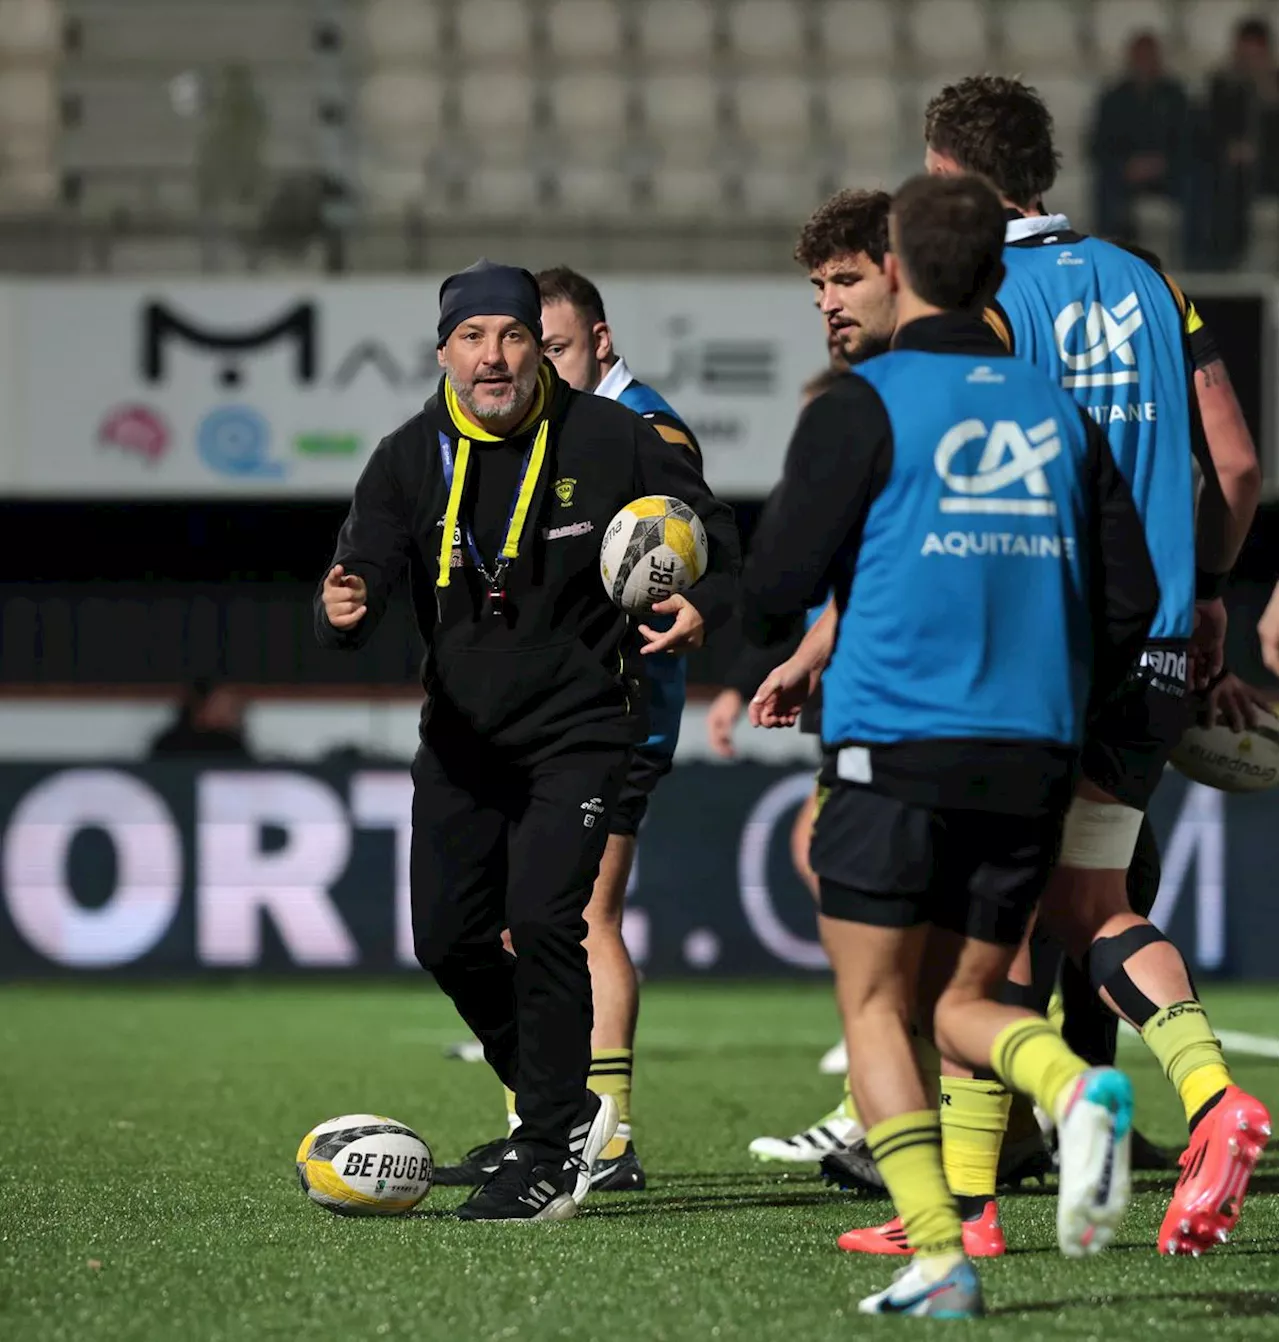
1230,761
364,1165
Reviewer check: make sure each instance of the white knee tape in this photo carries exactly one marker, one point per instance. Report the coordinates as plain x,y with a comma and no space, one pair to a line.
1099,836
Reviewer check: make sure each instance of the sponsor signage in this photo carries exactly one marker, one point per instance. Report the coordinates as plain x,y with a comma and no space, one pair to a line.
170,869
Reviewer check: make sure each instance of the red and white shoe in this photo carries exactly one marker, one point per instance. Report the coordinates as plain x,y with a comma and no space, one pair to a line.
1216,1168
983,1236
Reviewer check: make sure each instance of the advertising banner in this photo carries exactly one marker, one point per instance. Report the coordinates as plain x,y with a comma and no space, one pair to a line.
175,389
173,869
272,389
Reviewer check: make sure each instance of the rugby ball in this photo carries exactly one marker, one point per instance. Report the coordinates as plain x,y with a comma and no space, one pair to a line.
1216,756
364,1165
652,548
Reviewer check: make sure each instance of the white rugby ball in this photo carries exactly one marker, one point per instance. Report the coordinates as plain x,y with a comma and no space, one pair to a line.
653,547
1246,761
364,1165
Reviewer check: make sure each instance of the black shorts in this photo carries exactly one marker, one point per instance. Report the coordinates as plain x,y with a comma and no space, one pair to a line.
1130,737
644,769
887,863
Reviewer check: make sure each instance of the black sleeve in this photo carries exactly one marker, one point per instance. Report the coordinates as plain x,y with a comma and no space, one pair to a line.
748,669
1123,591
663,468
839,458
374,543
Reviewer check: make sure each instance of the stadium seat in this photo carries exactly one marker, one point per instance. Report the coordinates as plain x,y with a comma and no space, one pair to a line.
589,104
766,31
489,29
676,32
686,193
170,37
30,30
1071,103
498,111
774,113
1265,225
680,107
1208,26
1041,34
787,195
125,122
588,30
28,101
390,187
858,33
1116,22
397,32
400,100
502,192
946,31
863,114
594,192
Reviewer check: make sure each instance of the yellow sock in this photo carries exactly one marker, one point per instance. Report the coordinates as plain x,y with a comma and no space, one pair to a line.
974,1114
611,1075
1183,1044
908,1151
513,1119
1029,1056
848,1109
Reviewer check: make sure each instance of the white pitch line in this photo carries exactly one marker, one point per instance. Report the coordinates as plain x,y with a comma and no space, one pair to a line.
1234,1041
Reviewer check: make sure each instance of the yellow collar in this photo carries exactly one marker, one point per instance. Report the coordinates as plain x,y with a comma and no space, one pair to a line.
467,428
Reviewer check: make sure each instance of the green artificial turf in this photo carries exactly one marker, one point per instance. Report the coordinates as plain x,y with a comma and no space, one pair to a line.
147,1187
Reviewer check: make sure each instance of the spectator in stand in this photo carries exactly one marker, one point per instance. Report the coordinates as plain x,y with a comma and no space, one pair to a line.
209,724
1138,143
1239,148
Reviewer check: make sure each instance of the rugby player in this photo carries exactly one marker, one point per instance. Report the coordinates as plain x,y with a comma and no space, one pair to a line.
842,247
948,771
577,340
1131,349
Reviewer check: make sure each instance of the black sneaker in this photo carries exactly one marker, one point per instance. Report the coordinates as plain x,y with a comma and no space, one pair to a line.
522,1188
620,1174
852,1169
475,1167
1144,1154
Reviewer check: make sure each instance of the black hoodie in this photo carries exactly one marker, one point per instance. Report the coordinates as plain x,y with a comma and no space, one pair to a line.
560,665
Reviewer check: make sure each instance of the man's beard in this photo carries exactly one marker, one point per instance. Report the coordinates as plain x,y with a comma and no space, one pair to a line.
521,391
868,347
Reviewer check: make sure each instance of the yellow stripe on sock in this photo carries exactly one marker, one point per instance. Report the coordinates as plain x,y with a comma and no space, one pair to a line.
1184,1046
974,1116
610,1074
1029,1056
908,1151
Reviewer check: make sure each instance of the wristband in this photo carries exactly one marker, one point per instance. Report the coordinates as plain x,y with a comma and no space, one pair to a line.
1210,586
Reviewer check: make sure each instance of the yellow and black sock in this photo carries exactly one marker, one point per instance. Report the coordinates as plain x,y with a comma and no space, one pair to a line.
1029,1056
513,1119
974,1115
908,1151
610,1074
1184,1046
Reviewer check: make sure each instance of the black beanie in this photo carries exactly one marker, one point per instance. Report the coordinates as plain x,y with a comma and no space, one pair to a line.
489,290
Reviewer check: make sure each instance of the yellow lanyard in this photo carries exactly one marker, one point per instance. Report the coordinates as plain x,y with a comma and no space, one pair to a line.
455,473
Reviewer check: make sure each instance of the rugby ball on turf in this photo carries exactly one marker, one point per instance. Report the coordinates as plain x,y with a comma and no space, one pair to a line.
652,548
364,1165
1230,761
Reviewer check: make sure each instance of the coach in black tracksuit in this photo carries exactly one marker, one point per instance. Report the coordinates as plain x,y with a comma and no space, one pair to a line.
496,497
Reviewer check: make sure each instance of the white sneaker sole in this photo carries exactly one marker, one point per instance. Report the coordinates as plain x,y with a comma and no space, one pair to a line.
598,1136
1093,1162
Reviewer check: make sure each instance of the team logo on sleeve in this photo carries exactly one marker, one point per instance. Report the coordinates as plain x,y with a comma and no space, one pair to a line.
1090,338
1008,476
